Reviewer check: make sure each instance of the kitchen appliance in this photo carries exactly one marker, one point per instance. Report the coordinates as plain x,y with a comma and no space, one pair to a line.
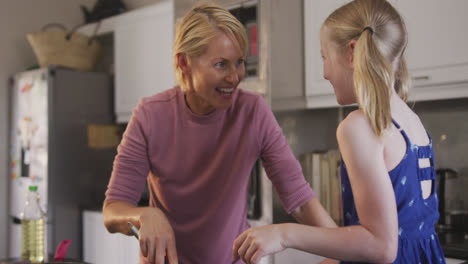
452,227
49,114
254,193
456,220
442,175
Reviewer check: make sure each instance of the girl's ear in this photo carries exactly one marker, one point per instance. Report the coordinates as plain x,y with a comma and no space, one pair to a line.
350,53
183,64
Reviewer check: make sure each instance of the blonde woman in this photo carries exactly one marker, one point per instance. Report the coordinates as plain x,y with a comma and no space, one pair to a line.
390,202
195,145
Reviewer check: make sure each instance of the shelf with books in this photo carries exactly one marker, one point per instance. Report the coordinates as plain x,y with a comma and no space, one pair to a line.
322,171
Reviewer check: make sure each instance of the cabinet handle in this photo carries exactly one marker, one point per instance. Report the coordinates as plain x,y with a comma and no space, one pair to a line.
421,78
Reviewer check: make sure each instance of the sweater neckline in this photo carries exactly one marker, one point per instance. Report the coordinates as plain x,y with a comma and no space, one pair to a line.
200,119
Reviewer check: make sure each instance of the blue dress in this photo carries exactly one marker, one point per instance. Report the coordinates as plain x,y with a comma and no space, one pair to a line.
418,241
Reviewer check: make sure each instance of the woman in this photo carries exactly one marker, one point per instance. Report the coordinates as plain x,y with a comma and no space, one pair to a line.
196,144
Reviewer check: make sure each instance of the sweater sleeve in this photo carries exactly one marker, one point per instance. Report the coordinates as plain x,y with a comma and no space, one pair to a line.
281,166
131,164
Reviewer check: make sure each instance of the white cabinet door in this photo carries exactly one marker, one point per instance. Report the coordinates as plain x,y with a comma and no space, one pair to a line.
293,256
319,91
101,247
143,55
437,52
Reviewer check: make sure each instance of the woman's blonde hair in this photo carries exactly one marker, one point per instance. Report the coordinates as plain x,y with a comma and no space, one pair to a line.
198,27
381,38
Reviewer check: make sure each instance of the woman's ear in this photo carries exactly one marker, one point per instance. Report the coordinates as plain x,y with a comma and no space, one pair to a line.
351,46
183,64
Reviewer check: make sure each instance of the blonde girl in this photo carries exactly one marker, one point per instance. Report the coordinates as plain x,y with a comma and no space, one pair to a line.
390,202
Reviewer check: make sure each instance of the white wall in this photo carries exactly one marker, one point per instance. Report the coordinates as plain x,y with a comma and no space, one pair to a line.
16,19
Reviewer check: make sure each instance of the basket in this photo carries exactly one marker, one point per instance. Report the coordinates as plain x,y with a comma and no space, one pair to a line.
65,48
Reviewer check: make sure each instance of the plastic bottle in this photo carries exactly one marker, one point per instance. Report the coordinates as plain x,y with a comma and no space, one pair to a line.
32,228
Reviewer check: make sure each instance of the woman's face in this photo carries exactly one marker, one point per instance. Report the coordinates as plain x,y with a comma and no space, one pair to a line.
337,68
214,75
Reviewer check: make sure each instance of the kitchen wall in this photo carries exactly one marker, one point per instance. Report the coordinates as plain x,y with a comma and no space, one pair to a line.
447,122
17,18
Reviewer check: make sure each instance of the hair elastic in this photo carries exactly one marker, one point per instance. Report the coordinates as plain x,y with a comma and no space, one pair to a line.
370,29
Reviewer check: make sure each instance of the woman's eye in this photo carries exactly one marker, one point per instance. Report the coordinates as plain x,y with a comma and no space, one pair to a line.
219,64
240,62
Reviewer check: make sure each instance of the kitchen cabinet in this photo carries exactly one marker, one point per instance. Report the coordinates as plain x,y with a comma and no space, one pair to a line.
141,41
282,31
294,256
318,91
102,247
143,56
436,52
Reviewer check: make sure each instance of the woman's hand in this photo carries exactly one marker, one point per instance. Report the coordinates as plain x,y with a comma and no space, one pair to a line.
258,242
157,237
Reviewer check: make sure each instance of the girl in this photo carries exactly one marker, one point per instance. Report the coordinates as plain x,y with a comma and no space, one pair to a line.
390,204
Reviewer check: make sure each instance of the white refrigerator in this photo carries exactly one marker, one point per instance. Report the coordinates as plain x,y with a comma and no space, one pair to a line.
50,110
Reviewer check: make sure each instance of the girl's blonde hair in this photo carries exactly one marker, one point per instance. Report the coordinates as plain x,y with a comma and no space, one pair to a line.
198,27
381,38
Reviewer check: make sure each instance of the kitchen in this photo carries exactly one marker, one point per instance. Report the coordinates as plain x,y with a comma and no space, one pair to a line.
443,113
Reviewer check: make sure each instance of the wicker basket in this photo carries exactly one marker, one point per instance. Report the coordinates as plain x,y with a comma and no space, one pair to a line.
60,47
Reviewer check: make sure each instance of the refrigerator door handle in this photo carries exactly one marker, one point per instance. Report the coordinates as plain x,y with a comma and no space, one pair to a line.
16,220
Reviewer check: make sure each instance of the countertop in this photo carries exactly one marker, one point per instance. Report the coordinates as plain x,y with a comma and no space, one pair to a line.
18,261
51,257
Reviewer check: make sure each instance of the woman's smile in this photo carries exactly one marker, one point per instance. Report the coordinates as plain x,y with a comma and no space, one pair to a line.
215,75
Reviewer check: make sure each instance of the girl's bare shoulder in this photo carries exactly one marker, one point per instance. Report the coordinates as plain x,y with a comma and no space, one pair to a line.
355,122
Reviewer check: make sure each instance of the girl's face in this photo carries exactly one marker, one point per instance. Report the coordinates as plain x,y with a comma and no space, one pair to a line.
337,68
214,75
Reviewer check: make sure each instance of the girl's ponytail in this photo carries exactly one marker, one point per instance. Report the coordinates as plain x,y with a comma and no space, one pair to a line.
402,80
373,79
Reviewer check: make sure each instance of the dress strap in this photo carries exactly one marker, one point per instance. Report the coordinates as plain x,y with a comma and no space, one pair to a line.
424,154
402,131
395,123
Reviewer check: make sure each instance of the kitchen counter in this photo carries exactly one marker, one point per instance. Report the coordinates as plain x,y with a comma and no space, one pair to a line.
19,261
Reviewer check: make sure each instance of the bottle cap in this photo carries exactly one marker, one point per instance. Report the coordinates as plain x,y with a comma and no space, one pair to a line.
33,188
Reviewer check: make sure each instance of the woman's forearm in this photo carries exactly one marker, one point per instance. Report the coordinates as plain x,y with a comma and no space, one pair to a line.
353,243
117,213
312,213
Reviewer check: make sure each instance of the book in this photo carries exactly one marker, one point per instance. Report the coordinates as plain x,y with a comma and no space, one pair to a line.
316,174
335,185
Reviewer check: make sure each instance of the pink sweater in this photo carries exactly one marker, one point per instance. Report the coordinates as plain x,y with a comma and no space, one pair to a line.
198,168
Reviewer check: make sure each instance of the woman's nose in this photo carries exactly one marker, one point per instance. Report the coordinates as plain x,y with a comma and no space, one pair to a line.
233,76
